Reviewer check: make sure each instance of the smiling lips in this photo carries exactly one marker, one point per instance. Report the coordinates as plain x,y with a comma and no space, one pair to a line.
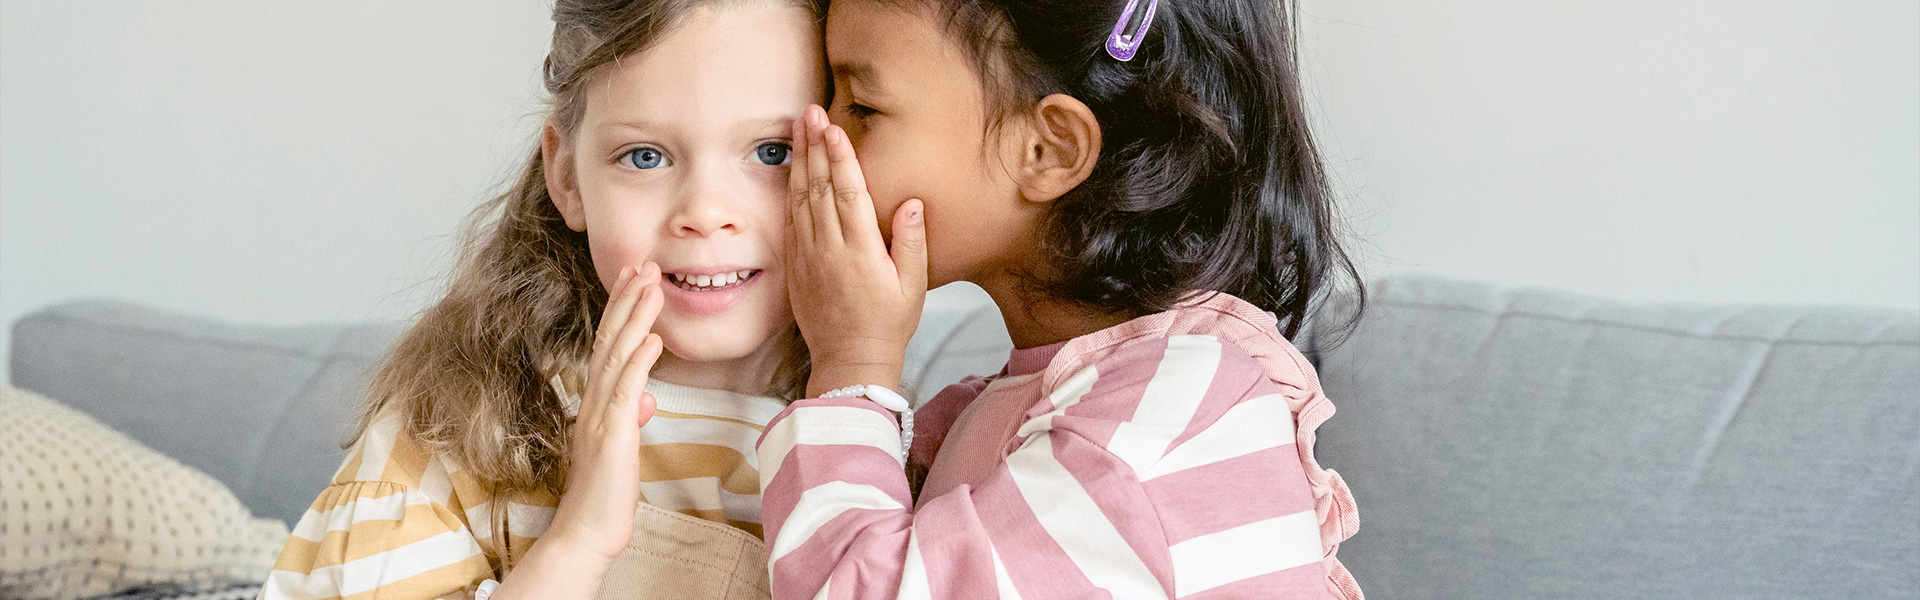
712,292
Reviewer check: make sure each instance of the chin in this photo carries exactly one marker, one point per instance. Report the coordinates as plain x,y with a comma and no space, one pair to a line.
718,339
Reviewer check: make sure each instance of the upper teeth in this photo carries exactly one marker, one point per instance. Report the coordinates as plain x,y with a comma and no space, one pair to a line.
723,279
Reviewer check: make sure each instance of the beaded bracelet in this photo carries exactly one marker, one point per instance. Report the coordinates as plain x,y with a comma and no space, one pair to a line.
887,399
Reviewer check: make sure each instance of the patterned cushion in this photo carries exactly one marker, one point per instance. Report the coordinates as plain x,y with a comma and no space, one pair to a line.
262,409
239,590
85,510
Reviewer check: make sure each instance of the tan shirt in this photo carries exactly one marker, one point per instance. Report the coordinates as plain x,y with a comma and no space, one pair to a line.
398,523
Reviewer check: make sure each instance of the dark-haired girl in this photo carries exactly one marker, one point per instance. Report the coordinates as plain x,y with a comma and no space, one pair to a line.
1134,184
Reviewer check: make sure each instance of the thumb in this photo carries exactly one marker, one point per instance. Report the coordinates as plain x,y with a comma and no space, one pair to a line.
910,244
647,405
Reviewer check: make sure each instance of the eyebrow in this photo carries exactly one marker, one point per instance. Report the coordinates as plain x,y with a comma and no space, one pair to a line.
859,71
655,126
782,123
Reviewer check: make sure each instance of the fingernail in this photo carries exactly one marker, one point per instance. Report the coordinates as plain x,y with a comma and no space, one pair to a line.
913,214
836,136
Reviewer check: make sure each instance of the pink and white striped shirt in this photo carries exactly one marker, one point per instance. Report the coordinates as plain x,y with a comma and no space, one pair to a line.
1167,457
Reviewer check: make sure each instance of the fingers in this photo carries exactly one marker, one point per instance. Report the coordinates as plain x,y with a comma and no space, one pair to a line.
799,198
826,221
850,198
910,245
630,319
638,326
630,402
619,304
625,294
630,343
647,311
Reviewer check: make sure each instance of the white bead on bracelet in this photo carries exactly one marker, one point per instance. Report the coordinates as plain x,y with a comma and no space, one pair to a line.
887,399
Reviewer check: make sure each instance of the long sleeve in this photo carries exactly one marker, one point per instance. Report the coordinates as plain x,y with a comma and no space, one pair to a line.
931,422
1166,468
388,527
376,540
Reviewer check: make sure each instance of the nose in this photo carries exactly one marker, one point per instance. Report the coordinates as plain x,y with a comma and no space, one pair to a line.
708,207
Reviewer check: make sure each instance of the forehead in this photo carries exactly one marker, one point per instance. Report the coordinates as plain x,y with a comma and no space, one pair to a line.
738,60
894,45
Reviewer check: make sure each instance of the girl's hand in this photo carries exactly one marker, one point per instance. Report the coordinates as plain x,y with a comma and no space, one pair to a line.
856,303
595,516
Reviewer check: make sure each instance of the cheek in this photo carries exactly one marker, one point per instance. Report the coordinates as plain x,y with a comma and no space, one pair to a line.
770,215
972,214
759,200
622,228
900,167
890,184
611,254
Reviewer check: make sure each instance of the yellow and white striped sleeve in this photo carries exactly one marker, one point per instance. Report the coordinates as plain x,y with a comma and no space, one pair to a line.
387,528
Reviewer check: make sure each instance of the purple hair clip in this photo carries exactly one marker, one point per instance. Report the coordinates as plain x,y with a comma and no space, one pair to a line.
1122,47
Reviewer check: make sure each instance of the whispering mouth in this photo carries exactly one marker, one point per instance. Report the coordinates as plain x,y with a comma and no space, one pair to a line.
709,283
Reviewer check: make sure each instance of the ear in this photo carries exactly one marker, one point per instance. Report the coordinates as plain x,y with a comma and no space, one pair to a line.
1060,148
556,166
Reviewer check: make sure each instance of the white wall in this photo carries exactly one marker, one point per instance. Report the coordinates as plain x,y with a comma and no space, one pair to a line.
286,162
261,161
1707,150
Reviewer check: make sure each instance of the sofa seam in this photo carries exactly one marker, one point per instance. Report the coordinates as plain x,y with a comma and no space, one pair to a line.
64,320
1649,329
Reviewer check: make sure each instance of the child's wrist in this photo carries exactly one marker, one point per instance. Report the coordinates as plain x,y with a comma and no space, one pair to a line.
829,377
561,550
555,568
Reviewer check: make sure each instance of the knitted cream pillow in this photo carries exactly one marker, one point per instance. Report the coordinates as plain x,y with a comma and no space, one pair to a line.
86,510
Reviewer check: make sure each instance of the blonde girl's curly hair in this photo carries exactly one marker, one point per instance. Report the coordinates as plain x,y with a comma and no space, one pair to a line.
469,380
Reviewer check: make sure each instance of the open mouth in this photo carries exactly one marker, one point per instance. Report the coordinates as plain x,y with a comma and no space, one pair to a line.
709,283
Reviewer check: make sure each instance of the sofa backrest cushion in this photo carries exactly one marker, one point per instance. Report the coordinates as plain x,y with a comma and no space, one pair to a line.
262,409
266,409
1515,443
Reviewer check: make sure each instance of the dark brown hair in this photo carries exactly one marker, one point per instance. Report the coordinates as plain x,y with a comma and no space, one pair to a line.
1208,178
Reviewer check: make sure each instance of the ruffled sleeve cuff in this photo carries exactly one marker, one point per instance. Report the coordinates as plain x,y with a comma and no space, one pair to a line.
380,537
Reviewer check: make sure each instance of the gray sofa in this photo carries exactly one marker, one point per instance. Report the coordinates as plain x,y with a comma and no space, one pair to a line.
1501,443
266,409
1510,443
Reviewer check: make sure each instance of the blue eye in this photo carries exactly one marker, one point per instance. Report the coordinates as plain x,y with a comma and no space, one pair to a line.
646,158
772,153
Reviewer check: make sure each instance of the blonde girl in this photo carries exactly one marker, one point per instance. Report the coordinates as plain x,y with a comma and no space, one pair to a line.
632,277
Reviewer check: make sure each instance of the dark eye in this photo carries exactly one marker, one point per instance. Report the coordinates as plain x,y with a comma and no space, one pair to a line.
646,158
772,153
860,111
